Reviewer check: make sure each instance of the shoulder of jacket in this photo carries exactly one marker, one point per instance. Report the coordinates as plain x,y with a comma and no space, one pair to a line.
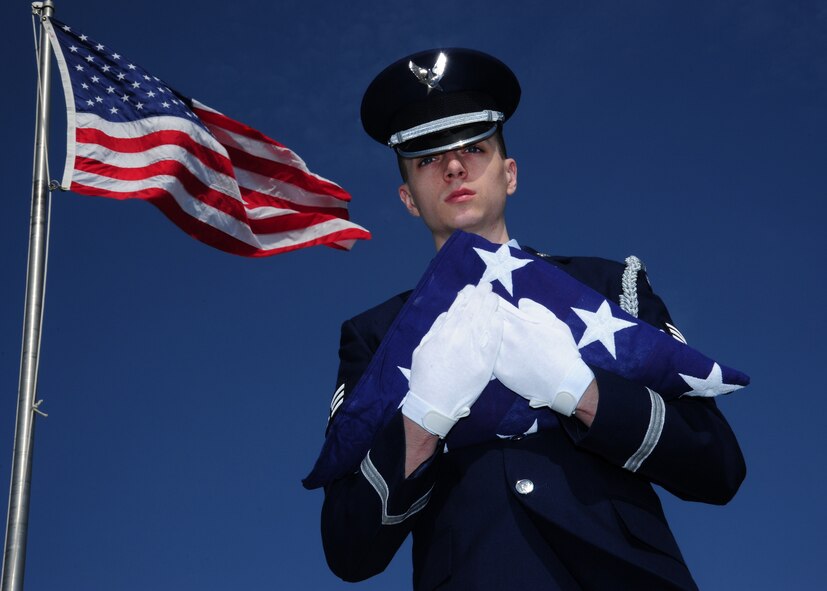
382,312
597,271
581,262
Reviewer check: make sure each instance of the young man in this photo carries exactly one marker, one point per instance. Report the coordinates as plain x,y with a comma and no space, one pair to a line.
569,507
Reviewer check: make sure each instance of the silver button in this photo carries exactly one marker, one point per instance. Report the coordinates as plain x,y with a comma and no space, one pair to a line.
524,486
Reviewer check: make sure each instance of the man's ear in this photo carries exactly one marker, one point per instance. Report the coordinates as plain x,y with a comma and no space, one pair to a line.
408,200
511,175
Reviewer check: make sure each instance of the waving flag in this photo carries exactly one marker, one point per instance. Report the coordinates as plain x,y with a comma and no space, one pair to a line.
131,136
606,336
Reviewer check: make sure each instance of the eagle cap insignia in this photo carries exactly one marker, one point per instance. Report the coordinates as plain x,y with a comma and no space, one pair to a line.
430,78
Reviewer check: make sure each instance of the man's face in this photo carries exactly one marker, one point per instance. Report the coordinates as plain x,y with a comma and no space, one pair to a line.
463,189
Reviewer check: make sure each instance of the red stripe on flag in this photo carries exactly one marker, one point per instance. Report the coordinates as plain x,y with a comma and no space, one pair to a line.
156,139
287,223
286,173
298,177
207,234
208,157
255,199
199,230
192,184
221,120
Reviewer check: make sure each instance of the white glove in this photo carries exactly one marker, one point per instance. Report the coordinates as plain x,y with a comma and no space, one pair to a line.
454,361
539,359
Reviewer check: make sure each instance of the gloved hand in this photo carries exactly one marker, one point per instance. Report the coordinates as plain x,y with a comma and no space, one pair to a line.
454,361
539,359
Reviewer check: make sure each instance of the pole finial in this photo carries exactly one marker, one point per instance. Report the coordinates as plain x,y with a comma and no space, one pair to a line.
43,9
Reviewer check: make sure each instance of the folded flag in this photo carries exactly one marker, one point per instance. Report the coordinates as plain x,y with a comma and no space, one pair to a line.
606,336
131,136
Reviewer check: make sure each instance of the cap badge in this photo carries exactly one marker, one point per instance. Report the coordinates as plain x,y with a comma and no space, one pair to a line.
430,78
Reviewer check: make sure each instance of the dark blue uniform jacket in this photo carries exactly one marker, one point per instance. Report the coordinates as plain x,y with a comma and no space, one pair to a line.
565,508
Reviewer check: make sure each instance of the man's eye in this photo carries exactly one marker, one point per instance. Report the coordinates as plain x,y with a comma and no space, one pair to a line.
426,161
473,149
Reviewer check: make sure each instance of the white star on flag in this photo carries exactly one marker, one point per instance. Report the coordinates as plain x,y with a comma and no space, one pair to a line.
407,373
601,326
712,385
499,265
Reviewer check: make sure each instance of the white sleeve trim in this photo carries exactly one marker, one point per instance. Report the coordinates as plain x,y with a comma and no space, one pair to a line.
657,417
375,479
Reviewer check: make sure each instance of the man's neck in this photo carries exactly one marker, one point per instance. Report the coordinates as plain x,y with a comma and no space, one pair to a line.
499,236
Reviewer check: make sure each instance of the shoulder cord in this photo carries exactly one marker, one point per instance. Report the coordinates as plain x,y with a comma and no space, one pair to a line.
628,299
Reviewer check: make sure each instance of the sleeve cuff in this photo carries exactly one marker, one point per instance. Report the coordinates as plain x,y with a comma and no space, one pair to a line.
424,415
622,420
572,388
384,469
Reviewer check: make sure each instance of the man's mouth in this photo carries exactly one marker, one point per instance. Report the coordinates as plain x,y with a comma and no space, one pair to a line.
460,195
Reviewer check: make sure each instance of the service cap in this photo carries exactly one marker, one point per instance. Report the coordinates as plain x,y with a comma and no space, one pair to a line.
439,100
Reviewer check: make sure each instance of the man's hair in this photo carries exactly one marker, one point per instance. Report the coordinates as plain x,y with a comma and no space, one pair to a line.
499,141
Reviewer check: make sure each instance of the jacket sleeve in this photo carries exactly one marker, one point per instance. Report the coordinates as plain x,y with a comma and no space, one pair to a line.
367,515
684,445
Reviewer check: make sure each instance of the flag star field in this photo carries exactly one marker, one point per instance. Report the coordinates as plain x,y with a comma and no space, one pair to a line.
105,84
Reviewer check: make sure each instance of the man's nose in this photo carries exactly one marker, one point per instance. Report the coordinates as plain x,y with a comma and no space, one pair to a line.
454,166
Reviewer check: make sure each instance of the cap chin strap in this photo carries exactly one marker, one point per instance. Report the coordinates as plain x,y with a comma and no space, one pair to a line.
442,124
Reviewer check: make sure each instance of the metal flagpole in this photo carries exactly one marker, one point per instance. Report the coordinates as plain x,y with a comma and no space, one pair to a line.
14,561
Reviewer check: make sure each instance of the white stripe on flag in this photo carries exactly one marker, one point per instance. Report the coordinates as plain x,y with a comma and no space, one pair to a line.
137,160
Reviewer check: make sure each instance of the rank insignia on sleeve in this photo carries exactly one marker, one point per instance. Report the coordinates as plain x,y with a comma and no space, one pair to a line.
673,330
336,402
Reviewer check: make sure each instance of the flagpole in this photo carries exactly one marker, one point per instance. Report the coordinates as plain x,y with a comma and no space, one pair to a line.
14,561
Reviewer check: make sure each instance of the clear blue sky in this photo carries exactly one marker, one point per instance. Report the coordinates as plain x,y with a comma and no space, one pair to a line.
187,389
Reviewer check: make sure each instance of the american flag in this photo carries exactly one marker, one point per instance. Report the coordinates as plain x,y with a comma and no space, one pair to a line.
132,136
606,336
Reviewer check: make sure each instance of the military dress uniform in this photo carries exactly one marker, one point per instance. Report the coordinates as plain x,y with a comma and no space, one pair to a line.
566,507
